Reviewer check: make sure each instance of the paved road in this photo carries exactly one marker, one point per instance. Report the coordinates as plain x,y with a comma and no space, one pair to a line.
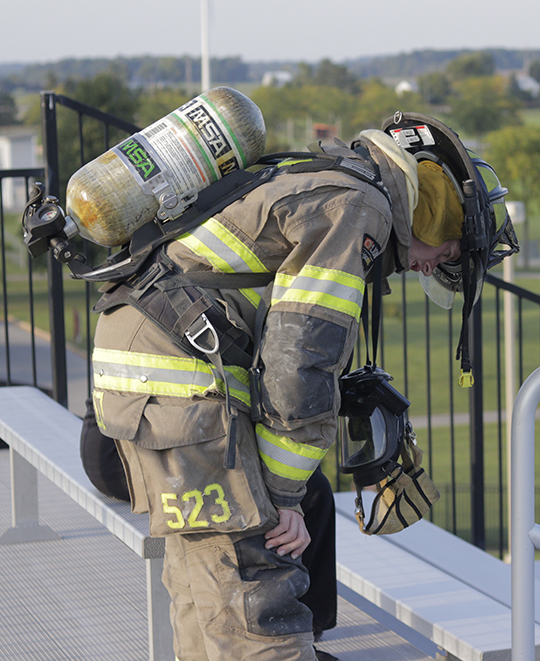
20,364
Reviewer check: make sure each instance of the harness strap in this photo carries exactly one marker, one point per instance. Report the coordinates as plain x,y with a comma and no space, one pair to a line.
367,171
255,370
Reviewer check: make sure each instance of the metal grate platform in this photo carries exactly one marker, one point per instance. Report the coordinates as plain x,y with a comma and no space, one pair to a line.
83,597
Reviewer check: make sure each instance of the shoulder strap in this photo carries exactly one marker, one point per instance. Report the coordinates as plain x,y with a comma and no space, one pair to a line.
298,162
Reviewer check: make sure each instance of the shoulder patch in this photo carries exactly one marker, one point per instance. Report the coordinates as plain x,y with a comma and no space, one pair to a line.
370,251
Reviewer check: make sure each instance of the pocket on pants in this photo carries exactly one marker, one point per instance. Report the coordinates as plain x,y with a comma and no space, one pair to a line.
272,607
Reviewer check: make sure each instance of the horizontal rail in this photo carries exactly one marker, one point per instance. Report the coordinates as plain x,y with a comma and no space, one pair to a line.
513,289
26,173
101,116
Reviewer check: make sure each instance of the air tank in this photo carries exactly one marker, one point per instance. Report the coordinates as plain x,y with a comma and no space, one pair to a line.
158,171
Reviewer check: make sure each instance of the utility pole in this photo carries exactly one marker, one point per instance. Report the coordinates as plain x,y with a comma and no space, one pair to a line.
205,57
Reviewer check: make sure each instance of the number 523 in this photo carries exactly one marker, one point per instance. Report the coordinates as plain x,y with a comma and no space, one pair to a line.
212,490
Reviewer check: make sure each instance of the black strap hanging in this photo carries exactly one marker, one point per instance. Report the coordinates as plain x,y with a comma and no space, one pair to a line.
376,305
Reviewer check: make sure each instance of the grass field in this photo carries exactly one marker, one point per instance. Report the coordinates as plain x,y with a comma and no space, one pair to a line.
432,371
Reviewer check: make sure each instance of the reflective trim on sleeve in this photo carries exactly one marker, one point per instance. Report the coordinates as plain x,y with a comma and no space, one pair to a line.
284,457
225,252
142,373
328,288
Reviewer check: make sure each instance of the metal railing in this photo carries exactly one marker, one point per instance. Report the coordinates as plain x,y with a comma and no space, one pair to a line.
49,101
417,346
28,175
525,532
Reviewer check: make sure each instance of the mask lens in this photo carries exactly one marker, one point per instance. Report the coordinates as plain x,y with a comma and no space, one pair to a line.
364,439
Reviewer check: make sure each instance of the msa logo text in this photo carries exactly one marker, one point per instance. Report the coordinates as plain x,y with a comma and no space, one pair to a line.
214,138
140,159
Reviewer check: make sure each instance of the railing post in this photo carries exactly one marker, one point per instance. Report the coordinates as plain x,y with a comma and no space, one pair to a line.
522,513
25,505
56,285
160,634
476,408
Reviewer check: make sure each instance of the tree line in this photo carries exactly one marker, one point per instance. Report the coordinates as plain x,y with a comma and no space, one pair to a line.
467,94
153,70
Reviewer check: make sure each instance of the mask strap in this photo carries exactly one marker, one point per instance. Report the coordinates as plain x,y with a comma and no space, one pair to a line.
376,304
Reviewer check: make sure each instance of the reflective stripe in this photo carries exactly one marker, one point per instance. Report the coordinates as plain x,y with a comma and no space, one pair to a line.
225,252
329,288
284,457
222,248
127,371
292,161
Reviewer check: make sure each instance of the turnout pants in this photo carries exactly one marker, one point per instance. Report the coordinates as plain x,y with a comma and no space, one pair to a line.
234,599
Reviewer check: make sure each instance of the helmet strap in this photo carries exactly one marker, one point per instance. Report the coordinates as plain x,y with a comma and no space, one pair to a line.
466,379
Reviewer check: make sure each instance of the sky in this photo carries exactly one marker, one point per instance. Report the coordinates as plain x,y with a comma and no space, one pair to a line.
261,30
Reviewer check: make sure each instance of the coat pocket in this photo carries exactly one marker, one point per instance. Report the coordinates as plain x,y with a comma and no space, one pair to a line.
179,477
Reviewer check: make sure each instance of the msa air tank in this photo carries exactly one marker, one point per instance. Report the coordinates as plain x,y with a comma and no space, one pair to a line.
159,171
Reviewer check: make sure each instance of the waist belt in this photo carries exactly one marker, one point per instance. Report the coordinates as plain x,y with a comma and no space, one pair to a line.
178,304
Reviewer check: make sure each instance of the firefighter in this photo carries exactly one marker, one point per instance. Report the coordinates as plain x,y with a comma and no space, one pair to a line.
219,453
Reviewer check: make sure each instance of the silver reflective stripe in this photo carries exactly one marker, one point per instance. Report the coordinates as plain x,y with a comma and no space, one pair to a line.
216,245
286,458
145,373
322,286
328,288
128,371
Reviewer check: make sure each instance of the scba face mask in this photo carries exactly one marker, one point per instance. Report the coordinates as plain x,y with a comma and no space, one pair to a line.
488,234
372,424
378,446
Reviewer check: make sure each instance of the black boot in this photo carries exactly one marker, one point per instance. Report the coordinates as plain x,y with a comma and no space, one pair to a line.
324,656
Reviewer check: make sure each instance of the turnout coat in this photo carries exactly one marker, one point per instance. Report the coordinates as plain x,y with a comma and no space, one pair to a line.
319,234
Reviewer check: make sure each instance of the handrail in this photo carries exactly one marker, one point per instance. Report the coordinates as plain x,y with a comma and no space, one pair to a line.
101,116
513,289
25,173
525,532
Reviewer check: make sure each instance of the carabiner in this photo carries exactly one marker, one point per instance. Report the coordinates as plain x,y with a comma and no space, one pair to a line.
207,327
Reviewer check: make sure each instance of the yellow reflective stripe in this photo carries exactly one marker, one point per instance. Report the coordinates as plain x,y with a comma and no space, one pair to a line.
174,376
225,252
223,249
252,296
294,161
136,359
328,288
284,457
198,247
238,384
155,388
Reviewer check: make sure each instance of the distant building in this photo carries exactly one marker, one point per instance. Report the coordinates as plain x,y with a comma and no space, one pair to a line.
405,86
18,149
528,84
324,132
276,78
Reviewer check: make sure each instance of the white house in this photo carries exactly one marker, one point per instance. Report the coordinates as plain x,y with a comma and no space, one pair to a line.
18,149
405,86
276,78
527,83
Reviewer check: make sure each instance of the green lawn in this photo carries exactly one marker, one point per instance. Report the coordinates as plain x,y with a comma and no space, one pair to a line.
446,454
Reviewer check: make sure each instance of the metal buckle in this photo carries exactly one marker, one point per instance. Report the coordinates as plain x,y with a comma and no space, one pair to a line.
193,337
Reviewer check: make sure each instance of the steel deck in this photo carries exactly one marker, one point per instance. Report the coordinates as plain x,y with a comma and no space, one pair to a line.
83,597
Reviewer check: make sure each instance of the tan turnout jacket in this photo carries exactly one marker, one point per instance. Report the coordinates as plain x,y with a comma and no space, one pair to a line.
319,234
